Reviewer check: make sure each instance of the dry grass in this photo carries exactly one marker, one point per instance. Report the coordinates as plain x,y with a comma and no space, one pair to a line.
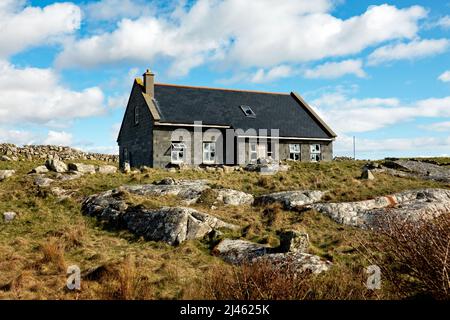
49,234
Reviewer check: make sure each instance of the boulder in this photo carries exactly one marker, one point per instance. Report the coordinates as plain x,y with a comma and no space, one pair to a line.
42,181
4,174
242,251
293,241
234,197
107,169
39,170
82,168
70,175
56,165
5,158
172,225
367,174
291,199
419,169
9,216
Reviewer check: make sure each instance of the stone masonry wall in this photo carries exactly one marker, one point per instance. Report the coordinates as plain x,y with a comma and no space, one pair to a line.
35,152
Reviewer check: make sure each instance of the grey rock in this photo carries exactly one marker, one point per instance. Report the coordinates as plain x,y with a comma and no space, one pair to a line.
70,175
420,169
81,167
240,251
9,216
42,181
172,225
412,205
4,174
5,158
367,174
293,241
297,261
291,199
56,165
39,170
234,197
107,169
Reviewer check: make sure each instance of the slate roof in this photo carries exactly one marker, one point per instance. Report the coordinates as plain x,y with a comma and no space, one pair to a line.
183,104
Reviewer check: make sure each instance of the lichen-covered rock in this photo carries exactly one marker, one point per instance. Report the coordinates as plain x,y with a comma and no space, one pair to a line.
70,175
293,241
242,251
81,167
56,165
39,170
234,197
107,169
291,199
4,174
418,169
43,181
172,225
411,205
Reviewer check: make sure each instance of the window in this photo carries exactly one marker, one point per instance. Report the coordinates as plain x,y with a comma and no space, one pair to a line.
315,153
178,152
209,152
248,112
136,115
253,151
294,151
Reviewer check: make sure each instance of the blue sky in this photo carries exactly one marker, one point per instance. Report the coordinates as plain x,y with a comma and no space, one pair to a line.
376,70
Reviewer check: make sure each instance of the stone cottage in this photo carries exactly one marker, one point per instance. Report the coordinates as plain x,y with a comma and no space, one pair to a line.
167,124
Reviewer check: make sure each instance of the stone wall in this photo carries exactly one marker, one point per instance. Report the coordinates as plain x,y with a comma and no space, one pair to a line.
135,140
36,152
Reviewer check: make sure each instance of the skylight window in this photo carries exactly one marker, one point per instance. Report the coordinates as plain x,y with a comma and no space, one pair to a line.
248,112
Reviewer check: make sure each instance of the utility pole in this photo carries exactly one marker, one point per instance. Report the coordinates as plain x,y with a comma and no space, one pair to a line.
354,149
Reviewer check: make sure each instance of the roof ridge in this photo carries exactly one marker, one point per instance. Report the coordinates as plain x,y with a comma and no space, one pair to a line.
222,89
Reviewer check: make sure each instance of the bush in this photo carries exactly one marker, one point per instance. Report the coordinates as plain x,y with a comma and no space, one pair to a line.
417,257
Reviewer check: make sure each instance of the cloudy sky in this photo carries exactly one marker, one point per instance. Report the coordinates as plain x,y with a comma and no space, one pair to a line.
376,70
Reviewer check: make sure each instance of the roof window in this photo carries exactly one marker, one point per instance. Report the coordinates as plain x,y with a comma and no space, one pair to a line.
248,111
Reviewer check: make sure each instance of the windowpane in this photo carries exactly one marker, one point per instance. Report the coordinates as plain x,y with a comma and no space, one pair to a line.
209,149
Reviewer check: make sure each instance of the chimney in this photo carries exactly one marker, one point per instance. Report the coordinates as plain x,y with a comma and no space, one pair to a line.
149,83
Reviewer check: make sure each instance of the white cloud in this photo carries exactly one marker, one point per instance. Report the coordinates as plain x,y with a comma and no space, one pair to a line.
118,101
23,27
212,30
346,114
344,144
33,95
61,138
445,77
439,126
412,50
444,22
273,74
332,70
106,10
18,137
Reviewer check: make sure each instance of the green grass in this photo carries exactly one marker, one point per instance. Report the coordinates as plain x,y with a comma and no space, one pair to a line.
57,230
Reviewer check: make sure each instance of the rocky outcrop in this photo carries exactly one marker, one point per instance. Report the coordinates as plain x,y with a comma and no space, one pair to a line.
419,169
4,174
82,168
39,170
56,165
42,181
414,205
234,197
35,152
291,199
291,253
172,225
267,166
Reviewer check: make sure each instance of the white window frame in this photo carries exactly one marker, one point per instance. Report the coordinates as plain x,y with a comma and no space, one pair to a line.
253,152
315,152
176,149
294,152
209,152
